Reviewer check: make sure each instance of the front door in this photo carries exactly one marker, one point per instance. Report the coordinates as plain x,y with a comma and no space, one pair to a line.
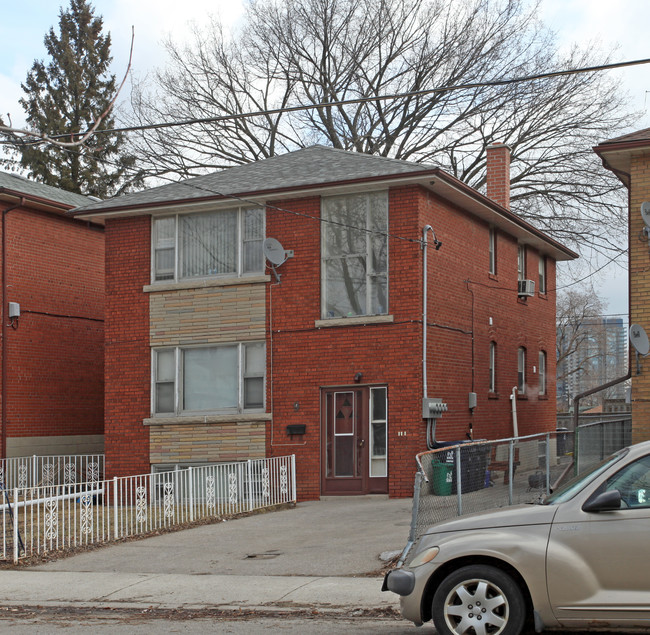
354,434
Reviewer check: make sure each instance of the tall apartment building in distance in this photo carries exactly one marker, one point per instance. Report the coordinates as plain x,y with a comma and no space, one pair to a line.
600,356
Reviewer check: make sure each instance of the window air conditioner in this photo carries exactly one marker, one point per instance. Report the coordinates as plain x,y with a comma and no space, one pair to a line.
526,288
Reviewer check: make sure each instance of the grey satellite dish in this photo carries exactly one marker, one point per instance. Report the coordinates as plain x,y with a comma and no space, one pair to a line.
274,252
645,213
639,339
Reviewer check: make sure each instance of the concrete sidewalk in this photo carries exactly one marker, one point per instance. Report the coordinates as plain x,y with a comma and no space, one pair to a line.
176,591
321,555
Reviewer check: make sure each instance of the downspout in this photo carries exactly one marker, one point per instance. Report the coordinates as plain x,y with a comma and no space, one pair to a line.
3,282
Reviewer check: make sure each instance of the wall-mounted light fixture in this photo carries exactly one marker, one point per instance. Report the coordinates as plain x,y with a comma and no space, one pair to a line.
357,377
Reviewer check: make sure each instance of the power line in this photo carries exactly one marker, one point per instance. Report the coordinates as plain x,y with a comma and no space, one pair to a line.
361,100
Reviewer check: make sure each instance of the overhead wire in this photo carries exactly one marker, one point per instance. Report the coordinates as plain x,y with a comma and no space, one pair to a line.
356,100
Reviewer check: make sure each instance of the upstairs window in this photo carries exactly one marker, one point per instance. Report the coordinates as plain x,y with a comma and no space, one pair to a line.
224,243
542,274
492,250
355,255
521,262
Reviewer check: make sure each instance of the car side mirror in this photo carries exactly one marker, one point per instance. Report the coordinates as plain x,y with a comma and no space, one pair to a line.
604,502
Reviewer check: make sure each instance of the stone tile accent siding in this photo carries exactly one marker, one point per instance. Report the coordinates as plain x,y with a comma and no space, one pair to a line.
207,316
212,443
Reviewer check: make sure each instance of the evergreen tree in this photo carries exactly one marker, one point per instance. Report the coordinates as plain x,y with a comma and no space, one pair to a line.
65,97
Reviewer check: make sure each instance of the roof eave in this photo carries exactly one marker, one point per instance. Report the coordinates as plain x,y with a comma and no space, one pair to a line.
434,179
461,194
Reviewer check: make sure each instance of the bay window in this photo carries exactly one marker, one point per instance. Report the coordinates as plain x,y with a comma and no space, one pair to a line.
219,379
227,242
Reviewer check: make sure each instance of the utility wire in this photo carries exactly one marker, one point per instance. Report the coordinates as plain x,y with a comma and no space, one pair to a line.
362,100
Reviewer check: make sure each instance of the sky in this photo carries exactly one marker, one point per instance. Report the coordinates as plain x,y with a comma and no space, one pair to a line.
603,24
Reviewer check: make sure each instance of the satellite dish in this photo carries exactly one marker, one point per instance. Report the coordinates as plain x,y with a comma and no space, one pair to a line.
645,213
639,339
274,251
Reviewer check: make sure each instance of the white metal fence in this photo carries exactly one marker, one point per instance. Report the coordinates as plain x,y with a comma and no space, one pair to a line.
35,471
37,520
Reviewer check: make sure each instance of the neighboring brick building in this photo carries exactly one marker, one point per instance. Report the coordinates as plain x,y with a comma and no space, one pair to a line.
210,357
51,369
629,158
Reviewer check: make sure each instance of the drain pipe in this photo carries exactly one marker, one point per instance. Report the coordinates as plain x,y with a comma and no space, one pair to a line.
513,398
437,244
3,317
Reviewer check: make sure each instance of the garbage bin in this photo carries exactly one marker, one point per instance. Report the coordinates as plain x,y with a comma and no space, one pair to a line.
561,440
442,477
474,461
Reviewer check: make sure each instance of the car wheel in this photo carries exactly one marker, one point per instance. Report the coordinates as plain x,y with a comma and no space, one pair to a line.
478,600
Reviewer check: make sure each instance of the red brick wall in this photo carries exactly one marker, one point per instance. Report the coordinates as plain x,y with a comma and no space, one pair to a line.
128,358
462,298
55,271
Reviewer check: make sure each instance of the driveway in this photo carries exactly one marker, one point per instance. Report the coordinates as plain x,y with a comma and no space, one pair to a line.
337,536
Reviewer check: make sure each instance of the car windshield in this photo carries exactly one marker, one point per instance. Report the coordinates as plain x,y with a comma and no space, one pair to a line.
576,484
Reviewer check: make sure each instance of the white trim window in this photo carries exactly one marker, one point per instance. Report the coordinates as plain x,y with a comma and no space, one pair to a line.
542,274
378,432
222,243
217,379
542,373
492,368
521,262
492,250
355,255
521,370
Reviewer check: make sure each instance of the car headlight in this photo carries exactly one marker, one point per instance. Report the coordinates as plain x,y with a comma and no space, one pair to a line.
424,556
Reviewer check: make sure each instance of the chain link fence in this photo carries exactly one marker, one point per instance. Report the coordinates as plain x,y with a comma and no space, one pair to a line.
458,478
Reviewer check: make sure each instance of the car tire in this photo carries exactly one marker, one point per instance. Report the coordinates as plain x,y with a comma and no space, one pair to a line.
478,600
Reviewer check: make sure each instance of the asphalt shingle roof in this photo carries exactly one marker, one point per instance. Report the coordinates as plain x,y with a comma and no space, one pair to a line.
310,166
21,185
639,135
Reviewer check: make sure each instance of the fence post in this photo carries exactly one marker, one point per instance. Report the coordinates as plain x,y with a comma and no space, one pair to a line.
511,465
249,485
548,461
417,488
191,492
15,527
33,482
459,482
116,526
293,478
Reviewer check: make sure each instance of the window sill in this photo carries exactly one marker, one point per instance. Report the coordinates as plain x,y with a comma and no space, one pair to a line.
493,276
493,395
207,419
522,397
357,320
542,397
542,296
204,283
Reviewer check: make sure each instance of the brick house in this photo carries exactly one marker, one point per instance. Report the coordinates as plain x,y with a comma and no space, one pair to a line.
213,355
51,350
628,157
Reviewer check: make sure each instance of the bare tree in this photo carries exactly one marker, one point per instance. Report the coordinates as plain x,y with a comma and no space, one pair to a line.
581,340
313,52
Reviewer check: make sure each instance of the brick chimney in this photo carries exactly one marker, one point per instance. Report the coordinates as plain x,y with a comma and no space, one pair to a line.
498,174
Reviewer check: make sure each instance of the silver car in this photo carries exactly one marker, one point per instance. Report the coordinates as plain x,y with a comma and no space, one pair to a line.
578,559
